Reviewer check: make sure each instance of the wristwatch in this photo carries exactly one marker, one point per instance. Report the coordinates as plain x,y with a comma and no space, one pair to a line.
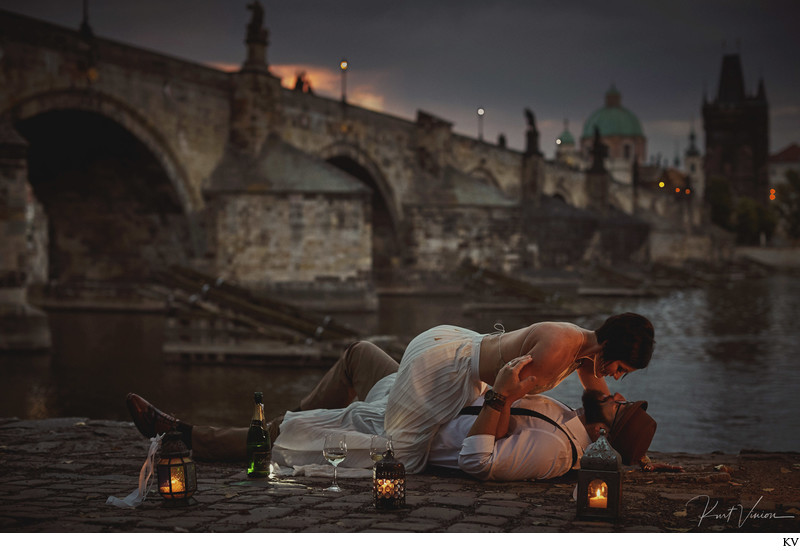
494,400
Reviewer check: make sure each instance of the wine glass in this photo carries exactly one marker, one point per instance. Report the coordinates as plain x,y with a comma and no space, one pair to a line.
378,446
334,450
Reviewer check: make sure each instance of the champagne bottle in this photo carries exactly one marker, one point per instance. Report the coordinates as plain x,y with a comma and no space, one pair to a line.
258,443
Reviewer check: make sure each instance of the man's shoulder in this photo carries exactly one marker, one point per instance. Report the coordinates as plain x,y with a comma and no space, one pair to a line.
542,404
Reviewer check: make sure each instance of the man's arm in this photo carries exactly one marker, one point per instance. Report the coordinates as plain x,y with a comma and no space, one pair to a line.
531,454
488,422
508,383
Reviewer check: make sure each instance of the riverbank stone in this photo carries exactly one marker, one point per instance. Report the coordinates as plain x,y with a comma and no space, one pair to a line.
56,475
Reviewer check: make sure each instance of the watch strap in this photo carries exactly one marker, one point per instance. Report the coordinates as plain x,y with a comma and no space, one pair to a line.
494,400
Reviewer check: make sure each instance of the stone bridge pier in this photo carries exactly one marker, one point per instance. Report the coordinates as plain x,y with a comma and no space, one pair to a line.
22,327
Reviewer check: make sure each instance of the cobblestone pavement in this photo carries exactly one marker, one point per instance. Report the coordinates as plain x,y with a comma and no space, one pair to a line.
56,475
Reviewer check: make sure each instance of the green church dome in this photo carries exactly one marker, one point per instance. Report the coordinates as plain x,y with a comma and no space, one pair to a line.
612,119
565,138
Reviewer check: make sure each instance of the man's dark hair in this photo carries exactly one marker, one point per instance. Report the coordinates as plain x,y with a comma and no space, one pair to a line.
591,406
627,338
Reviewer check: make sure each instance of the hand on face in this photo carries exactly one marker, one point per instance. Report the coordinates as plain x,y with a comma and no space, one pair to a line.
508,382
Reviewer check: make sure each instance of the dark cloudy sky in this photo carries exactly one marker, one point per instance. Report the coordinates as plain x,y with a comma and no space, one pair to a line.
448,57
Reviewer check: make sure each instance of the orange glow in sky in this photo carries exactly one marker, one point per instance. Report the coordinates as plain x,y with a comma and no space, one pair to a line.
324,82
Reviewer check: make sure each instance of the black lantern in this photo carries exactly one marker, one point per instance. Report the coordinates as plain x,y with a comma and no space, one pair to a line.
177,476
600,482
389,482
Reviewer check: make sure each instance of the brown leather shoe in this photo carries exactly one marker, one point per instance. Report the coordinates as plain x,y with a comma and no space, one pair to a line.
148,419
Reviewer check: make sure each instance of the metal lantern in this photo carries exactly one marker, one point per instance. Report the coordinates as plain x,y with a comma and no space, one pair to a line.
389,482
177,476
599,491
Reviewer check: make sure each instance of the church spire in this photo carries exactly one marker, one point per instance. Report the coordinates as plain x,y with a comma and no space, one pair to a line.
692,150
86,30
731,80
762,92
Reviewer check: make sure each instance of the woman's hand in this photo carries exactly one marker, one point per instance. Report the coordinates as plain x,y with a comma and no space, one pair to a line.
508,382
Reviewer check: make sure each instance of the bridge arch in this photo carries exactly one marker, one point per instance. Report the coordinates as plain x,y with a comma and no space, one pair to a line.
362,159
387,218
482,173
115,197
564,192
127,118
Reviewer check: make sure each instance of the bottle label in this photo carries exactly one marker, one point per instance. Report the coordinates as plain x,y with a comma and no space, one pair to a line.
261,461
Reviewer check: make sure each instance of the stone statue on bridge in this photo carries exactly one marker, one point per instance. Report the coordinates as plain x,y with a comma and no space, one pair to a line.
531,134
599,153
255,29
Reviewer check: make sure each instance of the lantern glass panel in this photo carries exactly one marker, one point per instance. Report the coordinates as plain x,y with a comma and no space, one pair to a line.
177,478
388,483
598,494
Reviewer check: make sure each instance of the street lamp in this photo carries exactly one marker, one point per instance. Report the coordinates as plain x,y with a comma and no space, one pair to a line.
343,65
481,113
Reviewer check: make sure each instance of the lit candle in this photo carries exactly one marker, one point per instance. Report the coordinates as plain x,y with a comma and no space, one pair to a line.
385,487
177,484
598,501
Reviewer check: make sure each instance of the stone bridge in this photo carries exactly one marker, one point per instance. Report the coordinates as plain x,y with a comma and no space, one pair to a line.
117,161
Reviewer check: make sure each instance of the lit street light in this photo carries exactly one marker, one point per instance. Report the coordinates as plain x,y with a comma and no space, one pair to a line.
343,66
481,112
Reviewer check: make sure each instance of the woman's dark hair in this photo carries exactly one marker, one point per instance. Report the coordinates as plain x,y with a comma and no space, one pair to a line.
627,338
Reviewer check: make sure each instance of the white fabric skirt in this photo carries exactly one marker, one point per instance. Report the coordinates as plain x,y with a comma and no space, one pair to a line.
438,375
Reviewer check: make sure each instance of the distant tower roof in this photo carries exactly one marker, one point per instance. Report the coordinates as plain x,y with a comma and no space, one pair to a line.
789,154
612,119
731,80
565,138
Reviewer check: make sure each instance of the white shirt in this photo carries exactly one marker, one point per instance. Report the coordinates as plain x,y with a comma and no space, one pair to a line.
534,449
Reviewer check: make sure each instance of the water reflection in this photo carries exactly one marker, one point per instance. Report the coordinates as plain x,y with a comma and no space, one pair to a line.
736,320
724,374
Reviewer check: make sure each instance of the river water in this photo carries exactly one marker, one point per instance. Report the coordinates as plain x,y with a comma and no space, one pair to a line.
725,374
